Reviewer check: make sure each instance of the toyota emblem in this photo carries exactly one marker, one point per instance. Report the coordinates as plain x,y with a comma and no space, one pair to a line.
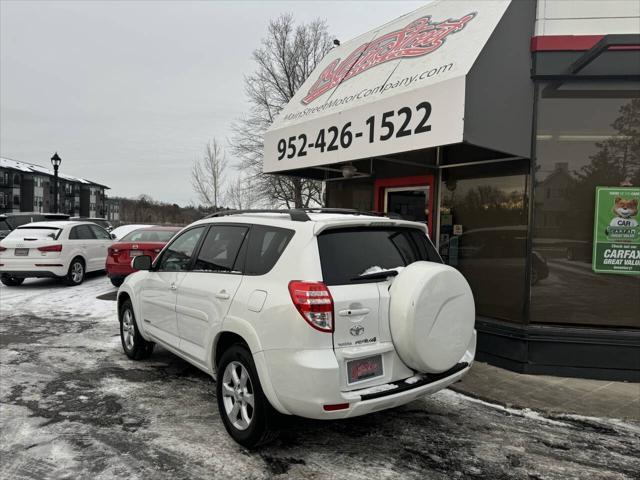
356,330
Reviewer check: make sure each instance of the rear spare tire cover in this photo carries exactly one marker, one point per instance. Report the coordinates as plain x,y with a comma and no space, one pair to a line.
431,316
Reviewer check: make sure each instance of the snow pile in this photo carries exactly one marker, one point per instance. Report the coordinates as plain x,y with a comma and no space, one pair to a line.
377,389
31,168
414,379
376,269
524,412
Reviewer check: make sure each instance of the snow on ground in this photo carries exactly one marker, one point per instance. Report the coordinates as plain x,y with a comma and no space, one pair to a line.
73,406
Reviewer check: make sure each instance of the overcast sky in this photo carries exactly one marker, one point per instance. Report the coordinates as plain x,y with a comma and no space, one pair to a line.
128,93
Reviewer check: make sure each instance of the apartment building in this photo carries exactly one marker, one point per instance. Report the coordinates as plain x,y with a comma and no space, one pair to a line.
26,187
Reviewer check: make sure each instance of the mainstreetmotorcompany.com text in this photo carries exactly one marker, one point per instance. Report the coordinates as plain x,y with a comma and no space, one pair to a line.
381,89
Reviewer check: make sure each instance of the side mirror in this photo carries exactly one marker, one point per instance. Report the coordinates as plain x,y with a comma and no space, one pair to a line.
113,236
141,262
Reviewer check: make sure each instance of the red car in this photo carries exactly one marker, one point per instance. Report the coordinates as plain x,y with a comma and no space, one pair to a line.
144,241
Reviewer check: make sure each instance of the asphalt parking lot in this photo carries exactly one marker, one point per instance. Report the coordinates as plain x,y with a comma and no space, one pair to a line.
73,406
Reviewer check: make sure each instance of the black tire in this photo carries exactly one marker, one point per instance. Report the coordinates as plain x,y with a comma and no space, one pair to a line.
136,347
75,275
116,282
261,428
11,281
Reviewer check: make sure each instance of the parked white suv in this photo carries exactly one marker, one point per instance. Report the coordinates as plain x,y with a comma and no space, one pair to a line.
316,314
60,249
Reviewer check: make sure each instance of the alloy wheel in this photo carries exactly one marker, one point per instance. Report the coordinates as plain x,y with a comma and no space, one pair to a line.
128,329
237,395
77,272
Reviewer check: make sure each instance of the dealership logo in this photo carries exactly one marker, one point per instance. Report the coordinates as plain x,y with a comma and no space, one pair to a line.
420,37
356,330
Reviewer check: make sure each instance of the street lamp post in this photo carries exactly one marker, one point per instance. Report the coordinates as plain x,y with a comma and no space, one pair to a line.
55,161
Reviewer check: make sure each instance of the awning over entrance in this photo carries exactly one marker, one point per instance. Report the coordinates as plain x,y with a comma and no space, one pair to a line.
449,73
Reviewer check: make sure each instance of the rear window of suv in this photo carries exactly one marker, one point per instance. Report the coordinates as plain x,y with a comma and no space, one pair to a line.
346,254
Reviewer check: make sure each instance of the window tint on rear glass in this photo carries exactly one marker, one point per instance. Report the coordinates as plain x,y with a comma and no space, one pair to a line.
266,244
346,254
220,248
81,232
148,235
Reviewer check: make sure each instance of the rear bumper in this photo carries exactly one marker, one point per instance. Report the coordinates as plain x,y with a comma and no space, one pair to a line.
305,381
363,403
118,270
30,274
33,267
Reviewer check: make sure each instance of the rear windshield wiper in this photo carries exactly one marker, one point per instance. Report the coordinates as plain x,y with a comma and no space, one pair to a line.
376,275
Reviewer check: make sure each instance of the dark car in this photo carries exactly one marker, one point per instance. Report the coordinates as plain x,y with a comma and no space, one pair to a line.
103,222
499,251
11,221
494,260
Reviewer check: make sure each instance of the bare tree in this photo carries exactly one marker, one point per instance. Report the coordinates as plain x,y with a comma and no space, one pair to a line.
286,58
241,195
208,175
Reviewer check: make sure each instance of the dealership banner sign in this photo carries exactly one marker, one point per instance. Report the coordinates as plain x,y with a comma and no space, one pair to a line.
616,236
400,87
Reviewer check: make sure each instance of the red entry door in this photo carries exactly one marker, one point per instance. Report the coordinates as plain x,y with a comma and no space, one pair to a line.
411,198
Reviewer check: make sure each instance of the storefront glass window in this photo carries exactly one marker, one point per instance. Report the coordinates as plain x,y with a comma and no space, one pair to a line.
483,233
356,194
583,141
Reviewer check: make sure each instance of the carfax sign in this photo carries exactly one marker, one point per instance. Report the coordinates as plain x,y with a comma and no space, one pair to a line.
616,235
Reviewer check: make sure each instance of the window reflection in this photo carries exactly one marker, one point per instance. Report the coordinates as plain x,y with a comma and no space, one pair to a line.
582,143
483,233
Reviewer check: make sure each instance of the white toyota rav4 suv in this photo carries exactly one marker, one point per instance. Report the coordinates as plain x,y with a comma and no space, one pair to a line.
316,313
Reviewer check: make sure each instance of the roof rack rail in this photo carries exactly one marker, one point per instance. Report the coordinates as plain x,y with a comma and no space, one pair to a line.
296,214
344,211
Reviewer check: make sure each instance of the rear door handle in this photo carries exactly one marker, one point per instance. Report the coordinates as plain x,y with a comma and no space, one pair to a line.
353,312
223,295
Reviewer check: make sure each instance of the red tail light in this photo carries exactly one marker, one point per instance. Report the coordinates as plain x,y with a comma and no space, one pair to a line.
51,248
314,302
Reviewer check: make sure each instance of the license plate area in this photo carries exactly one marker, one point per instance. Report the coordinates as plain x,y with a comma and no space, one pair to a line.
135,253
21,252
364,369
